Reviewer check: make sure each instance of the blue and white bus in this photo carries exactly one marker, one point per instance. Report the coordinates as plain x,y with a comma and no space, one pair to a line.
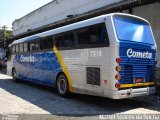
111,55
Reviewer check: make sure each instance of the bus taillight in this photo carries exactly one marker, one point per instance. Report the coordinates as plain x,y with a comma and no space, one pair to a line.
118,68
119,60
118,85
118,77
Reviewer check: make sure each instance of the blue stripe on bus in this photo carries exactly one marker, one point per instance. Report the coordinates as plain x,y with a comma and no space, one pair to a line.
38,67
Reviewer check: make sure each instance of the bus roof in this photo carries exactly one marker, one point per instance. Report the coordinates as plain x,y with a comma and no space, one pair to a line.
73,26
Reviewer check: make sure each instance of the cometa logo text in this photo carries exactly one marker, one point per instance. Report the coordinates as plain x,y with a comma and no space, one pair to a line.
135,54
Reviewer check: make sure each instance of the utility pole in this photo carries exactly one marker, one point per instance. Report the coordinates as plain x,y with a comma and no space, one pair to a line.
4,32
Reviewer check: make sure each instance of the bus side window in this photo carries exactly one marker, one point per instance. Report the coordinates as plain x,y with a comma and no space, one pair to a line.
65,40
98,35
37,45
21,47
25,47
83,36
46,43
93,36
13,49
34,46
69,40
17,48
103,35
59,39
31,46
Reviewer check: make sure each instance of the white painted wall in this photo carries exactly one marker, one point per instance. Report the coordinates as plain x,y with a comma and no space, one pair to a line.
56,11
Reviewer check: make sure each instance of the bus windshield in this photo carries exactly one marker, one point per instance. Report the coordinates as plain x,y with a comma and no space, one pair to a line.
132,29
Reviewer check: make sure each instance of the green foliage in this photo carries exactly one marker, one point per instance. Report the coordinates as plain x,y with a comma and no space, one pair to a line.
1,35
9,34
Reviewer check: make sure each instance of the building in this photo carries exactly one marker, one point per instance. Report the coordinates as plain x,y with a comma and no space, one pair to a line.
61,12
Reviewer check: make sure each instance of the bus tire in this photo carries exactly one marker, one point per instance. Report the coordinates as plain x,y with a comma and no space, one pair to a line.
14,75
62,85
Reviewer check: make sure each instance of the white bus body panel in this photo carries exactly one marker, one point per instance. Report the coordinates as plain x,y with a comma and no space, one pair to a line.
10,65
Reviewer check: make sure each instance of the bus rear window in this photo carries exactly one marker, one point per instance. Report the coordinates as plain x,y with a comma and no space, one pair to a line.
131,29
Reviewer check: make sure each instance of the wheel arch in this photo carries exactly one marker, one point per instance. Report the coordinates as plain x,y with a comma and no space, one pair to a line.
60,73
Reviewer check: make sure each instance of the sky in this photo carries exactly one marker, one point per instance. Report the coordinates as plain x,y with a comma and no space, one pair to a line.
15,9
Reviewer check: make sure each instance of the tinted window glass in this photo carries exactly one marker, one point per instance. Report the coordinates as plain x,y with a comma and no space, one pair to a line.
65,40
14,48
25,47
93,36
17,48
37,45
21,47
46,43
103,35
83,36
131,29
33,46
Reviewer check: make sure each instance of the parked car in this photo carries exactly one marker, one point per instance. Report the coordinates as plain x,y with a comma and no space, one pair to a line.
3,60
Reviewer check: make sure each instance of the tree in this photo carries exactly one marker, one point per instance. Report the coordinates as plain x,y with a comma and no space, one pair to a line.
1,35
5,42
9,34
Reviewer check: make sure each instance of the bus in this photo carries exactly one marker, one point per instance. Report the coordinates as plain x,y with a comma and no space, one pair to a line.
112,55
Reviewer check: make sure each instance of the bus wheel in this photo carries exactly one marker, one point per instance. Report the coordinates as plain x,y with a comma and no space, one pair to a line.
14,75
62,85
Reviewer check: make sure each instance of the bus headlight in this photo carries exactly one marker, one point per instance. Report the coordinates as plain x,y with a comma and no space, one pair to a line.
118,68
118,77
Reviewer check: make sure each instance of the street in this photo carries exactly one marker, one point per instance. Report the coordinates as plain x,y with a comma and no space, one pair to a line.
28,98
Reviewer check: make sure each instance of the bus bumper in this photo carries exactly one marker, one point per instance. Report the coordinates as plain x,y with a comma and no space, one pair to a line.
133,92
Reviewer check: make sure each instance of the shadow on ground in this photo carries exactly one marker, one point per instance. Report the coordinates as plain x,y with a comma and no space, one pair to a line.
76,105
